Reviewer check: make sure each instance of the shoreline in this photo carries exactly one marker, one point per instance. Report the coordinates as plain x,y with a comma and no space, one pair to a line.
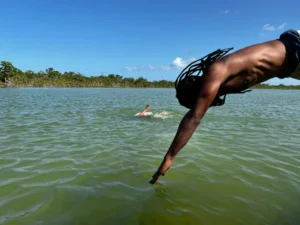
12,77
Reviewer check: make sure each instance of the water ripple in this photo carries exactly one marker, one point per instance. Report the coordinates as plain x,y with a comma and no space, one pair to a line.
81,156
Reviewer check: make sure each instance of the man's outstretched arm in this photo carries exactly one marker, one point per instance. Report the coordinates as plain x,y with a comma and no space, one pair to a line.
216,74
192,119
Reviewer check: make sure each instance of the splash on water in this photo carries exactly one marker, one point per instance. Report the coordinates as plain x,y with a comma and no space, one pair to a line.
146,114
161,115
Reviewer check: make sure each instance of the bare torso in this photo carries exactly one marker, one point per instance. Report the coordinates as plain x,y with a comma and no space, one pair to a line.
255,64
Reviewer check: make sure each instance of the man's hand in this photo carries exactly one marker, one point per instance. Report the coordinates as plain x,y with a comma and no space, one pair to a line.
165,165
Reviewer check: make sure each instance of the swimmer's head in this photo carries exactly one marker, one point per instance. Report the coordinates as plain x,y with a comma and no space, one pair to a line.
188,89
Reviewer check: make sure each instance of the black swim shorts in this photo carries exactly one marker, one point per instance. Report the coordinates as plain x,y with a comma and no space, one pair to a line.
291,40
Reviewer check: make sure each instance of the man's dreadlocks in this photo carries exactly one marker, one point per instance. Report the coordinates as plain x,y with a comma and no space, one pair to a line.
191,77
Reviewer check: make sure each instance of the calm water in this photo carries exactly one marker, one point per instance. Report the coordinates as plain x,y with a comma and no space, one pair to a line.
80,156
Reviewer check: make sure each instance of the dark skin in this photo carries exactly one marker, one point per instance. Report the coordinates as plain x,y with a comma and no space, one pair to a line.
235,72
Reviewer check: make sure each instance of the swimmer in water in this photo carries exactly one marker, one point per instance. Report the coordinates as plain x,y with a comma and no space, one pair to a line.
145,110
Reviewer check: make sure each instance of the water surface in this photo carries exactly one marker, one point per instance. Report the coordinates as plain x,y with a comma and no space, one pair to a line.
81,156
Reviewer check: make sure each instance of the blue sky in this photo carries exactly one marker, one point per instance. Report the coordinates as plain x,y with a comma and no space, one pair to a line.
153,39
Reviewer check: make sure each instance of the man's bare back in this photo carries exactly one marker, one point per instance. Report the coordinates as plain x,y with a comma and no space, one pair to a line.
231,74
254,65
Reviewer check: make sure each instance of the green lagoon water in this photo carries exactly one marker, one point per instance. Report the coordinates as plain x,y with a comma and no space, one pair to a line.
82,157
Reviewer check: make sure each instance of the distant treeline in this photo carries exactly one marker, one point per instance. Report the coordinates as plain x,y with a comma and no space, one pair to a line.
11,76
280,86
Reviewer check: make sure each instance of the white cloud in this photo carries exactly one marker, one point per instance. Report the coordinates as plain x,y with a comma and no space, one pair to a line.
177,63
130,68
180,63
227,11
281,26
269,27
151,67
134,68
168,67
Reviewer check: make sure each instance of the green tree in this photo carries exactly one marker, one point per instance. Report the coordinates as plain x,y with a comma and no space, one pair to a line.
7,71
